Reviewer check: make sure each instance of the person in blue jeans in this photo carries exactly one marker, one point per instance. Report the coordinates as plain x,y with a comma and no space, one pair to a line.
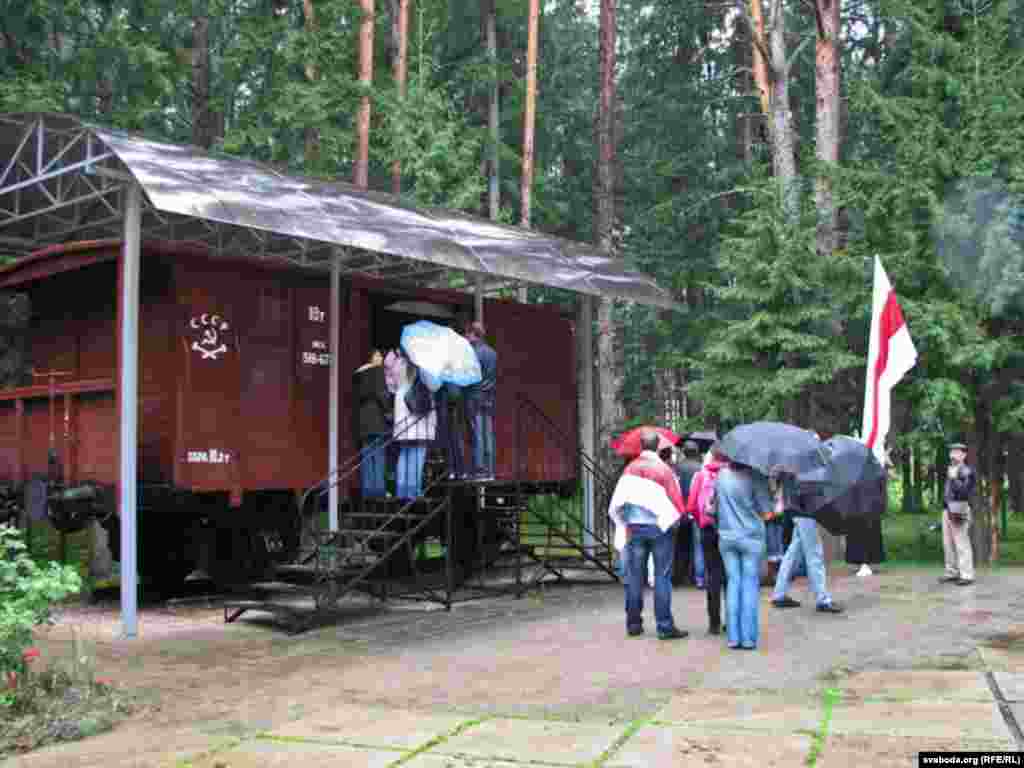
646,508
373,423
742,501
645,540
806,545
479,401
685,471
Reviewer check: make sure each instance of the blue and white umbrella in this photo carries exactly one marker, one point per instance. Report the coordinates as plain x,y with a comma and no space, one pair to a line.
442,355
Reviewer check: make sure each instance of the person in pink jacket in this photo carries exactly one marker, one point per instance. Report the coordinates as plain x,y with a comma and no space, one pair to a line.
714,570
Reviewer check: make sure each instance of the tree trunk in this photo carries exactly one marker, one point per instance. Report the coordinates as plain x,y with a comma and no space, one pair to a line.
758,47
744,127
828,115
202,123
604,219
362,165
312,134
996,490
908,483
400,35
1015,474
493,115
984,464
783,158
529,114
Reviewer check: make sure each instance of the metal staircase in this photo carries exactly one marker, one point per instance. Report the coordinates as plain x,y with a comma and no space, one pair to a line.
502,536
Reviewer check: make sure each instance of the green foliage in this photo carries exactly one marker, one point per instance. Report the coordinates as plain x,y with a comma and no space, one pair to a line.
439,152
28,592
783,318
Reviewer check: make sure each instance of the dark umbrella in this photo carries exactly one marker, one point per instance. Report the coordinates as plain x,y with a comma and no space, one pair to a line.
851,490
767,445
704,439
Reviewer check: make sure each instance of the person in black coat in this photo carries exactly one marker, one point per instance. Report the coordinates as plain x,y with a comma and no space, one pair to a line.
864,544
374,406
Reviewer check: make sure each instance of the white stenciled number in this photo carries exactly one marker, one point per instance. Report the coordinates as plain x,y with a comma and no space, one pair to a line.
317,315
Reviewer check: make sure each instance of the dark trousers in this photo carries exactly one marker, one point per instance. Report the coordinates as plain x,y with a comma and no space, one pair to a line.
714,575
449,431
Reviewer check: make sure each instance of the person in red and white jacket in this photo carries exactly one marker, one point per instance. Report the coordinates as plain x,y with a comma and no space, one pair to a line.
646,507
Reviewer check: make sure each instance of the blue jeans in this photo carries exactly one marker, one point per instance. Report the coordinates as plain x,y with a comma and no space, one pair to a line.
481,424
698,554
806,543
409,472
742,558
645,540
373,477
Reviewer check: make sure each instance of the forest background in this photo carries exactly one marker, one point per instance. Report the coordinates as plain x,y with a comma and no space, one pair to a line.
753,155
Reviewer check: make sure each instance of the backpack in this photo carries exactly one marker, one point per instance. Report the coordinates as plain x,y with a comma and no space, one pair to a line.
418,398
707,500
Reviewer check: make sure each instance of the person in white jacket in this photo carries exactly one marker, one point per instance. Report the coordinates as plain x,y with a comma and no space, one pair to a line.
412,433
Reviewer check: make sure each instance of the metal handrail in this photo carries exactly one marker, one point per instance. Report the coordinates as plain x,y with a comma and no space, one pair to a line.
588,461
347,469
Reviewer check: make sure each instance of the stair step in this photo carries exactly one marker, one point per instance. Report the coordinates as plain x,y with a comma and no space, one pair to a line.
368,533
383,516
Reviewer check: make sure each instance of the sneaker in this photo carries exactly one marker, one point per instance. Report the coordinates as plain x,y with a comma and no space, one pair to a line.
964,582
948,579
786,602
865,570
634,631
829,608
673,634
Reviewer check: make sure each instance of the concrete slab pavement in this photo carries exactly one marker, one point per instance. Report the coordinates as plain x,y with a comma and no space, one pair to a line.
505,684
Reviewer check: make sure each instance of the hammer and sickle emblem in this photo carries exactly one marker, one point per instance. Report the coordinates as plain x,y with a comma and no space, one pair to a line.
209,354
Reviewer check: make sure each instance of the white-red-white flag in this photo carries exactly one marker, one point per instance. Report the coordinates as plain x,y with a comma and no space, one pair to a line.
891,353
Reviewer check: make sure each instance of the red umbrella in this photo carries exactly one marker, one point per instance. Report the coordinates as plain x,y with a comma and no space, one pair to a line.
628,443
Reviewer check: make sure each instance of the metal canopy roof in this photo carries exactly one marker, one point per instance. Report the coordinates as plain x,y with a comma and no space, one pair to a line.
63,179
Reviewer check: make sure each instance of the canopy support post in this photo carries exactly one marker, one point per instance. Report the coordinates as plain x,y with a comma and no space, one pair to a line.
334,318
478,298
128,400
585,351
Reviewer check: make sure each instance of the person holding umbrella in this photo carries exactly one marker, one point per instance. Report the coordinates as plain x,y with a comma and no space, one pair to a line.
742,501
806,543
766,446
646,507
412,431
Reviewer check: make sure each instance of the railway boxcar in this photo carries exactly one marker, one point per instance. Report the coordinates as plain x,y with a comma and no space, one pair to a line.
234,379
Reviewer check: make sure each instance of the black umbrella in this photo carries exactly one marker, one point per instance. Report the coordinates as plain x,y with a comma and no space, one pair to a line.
767,445
704,439
850,491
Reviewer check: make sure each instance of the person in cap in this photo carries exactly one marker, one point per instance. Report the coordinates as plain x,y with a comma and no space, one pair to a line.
956,518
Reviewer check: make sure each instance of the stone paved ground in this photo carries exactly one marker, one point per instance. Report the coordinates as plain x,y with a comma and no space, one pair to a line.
552,680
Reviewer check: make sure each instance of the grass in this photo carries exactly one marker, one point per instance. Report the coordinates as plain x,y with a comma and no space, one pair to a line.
831,697
908,539
56,706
